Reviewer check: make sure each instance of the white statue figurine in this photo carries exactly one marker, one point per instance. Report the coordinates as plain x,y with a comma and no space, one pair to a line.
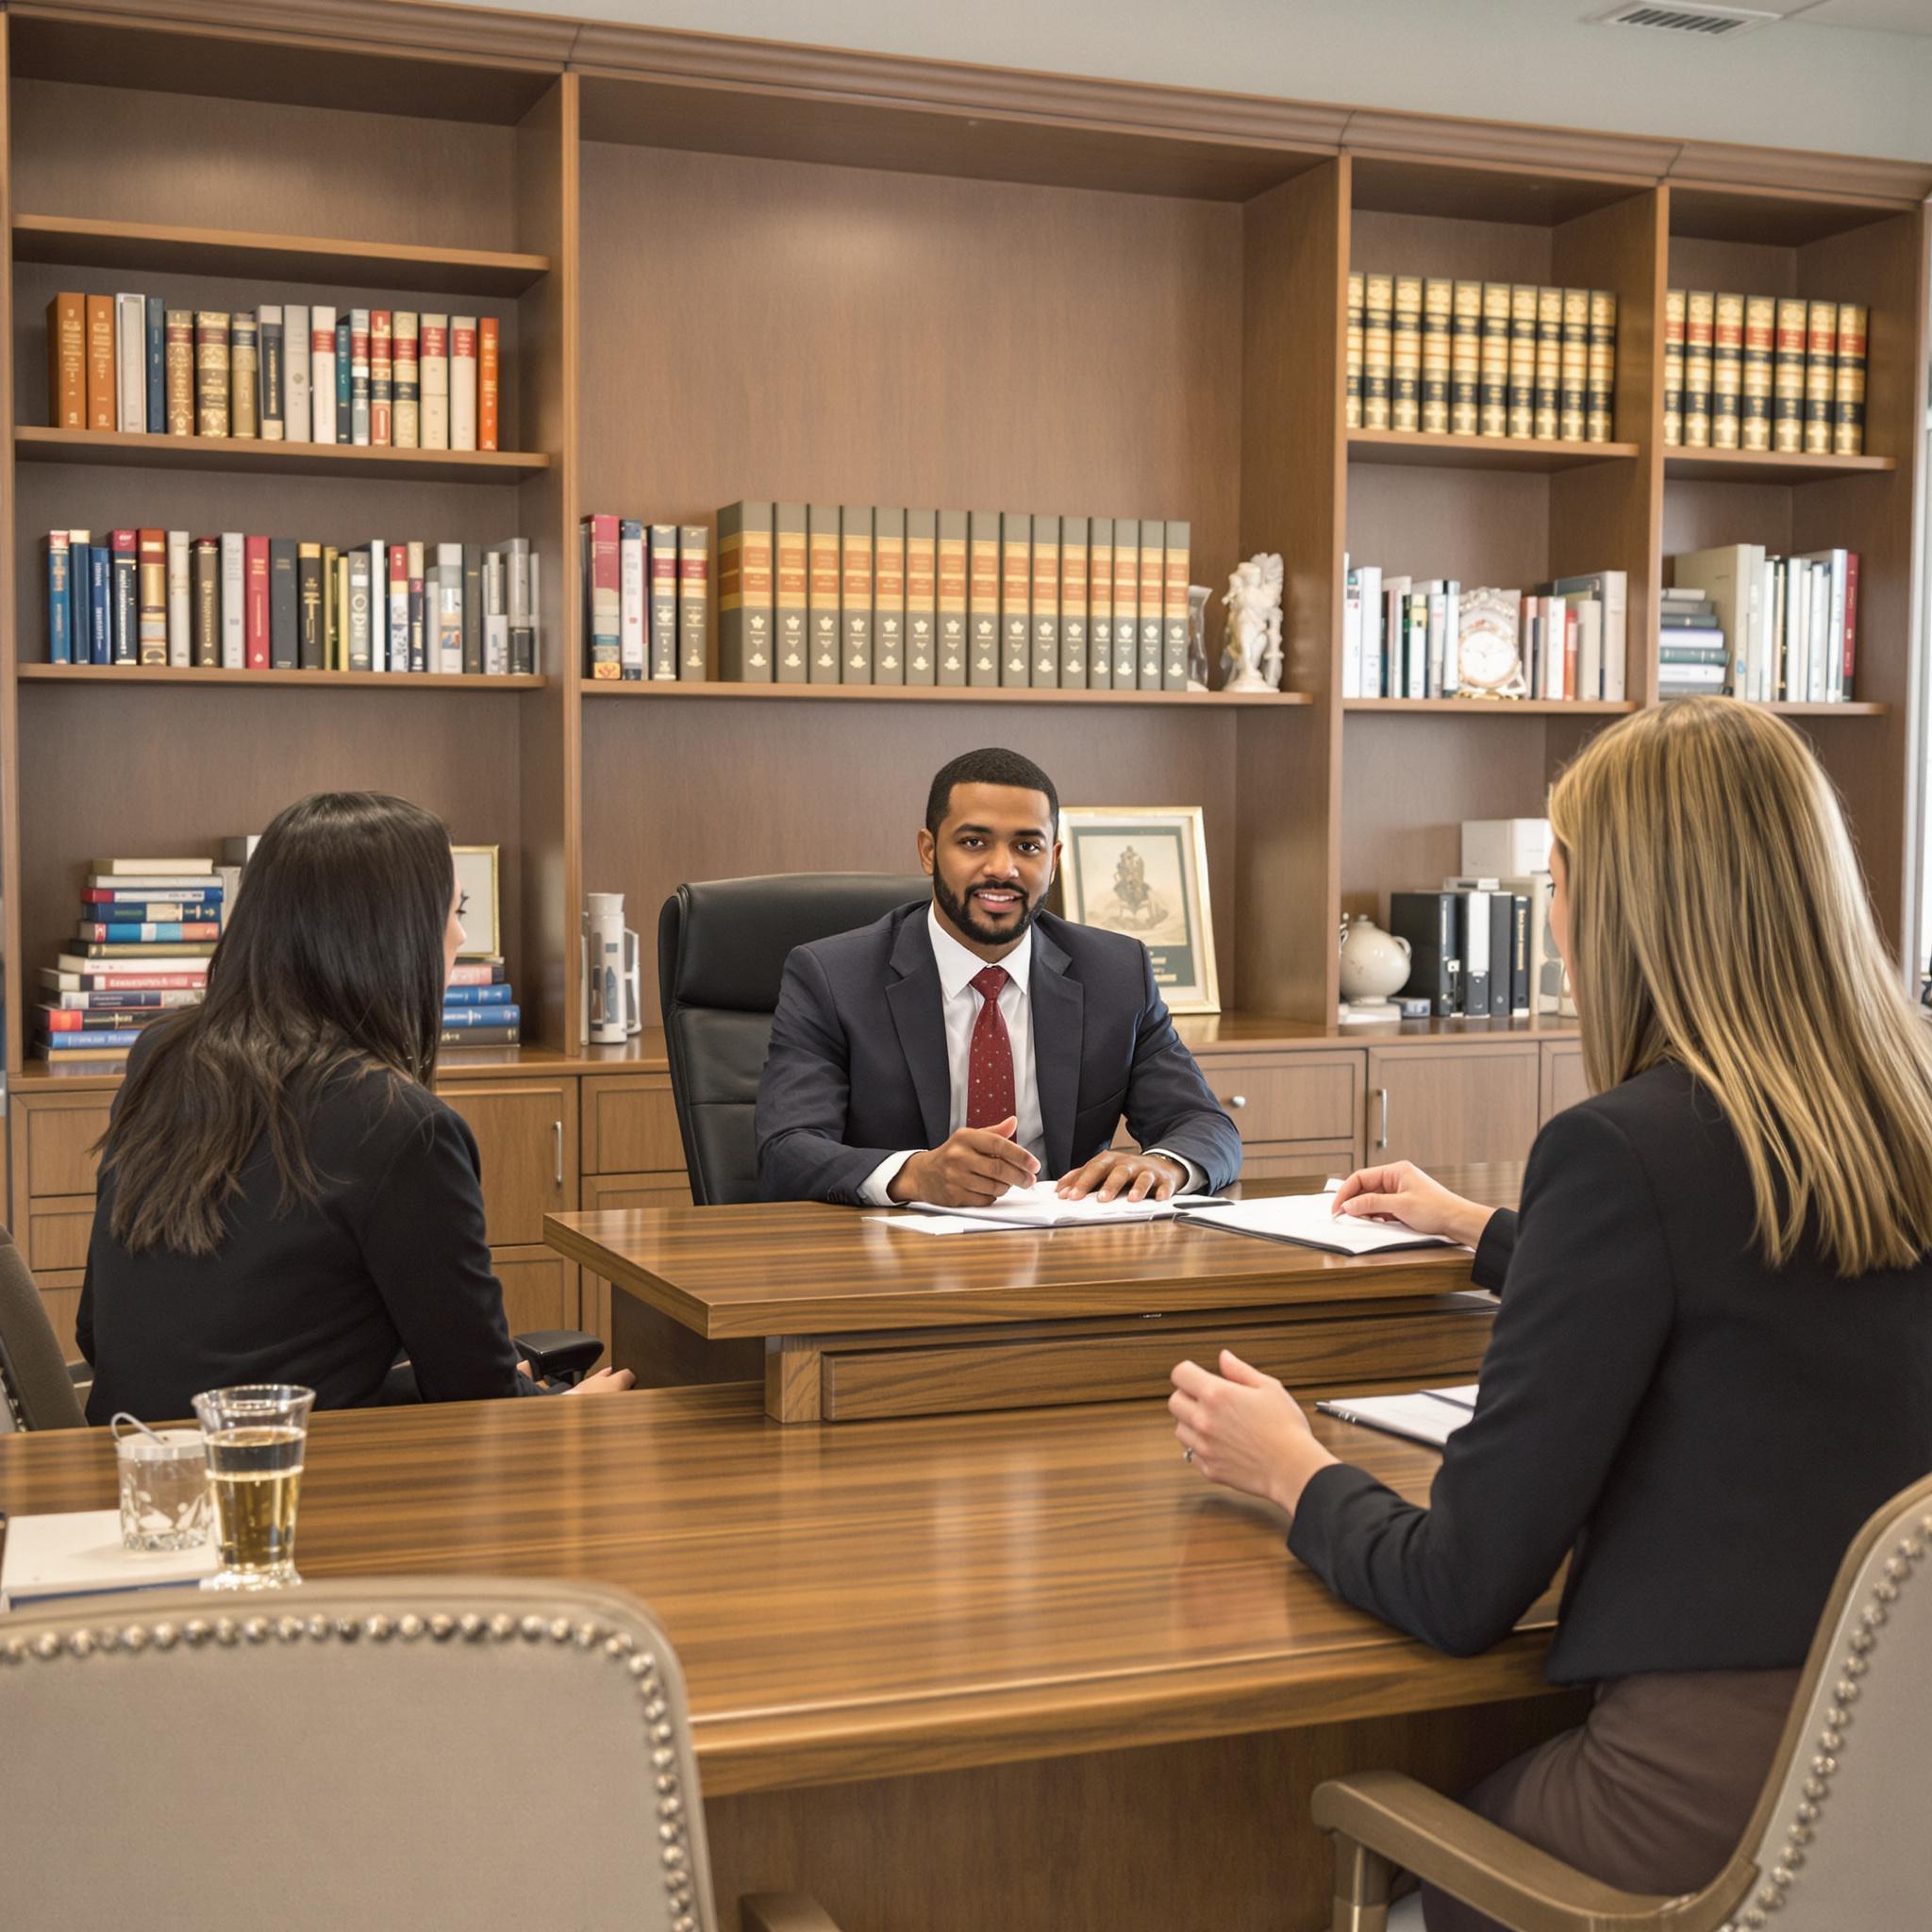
1253,650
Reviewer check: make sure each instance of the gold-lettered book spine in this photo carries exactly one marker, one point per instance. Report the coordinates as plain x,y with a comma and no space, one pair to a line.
1352,372
1073,636
983,599
1046,648
1754,405
1700,327
1173,628
1673,368
822,589
1848,410
1016,597
1573,389
1100,604
921,596
1465,357
1726,371
1546,395
1522,311
889,596
1821,376
1405,356
244,371
1599,395
1438,308
1378,323
1153,601
1493,395
745,593
791,595
1788,378
179,339
1126,602
211,371
957,643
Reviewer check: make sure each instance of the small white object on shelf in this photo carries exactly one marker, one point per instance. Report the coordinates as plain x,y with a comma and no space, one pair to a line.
1253,650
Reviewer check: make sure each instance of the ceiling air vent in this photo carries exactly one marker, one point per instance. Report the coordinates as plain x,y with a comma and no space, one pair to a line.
1689,17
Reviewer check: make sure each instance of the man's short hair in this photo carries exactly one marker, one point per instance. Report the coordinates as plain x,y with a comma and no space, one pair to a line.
992,766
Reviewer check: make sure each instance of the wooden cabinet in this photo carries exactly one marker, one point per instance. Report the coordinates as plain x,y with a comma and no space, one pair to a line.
526,1132
1458,1104
630,1125
1563,1081
53,1144
1311,1159
540,1289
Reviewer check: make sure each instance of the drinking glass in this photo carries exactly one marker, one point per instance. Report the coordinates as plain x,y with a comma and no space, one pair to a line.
165,1496
253,1437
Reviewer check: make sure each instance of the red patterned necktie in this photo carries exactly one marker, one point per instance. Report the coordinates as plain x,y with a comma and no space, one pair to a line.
989,1057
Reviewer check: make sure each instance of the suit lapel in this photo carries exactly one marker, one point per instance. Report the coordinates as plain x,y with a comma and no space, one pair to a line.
1058,1010
917,1003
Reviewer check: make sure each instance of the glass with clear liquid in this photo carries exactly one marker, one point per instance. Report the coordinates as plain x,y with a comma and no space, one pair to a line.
255,1438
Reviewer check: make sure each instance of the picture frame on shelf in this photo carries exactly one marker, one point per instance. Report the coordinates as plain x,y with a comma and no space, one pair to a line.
476,880
1142,869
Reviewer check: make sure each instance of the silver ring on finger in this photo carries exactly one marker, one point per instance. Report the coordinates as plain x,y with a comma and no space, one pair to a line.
1186,1455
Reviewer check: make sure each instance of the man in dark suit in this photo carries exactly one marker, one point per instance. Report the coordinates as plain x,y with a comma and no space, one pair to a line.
972,1042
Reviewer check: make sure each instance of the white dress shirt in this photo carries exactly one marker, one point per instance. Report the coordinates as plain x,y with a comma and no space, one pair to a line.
959,1004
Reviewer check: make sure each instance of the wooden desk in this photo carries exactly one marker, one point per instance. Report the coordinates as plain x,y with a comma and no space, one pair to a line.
1020,1670
860,1320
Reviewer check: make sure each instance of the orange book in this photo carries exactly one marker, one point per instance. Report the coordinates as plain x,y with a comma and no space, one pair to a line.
100,362
67,362
487,379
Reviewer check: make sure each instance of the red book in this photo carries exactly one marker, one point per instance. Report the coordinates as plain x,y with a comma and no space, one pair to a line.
1851,617
255,604
488,377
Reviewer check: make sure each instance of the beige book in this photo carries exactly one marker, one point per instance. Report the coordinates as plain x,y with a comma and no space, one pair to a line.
1600,400
1848,412
1726,371
1352,381
1522,312
1788,378
1821,376
1438,308
1545,399
1465,356
1755,388
1573,390
1700,326
1493,394
1673,368
1378,322
1406,355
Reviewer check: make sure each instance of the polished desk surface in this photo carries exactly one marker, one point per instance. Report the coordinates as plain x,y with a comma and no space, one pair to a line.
899,1596
802,1268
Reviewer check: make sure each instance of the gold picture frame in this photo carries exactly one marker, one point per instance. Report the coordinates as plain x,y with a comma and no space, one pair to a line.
478,874
1142,869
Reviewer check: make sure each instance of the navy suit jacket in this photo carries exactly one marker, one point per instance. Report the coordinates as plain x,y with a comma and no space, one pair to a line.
857,1066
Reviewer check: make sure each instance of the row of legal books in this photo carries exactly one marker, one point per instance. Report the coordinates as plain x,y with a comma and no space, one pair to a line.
1480,358
238,602
822,594
1479,947
1758,373
1741,620
1409,638
646,591
284,372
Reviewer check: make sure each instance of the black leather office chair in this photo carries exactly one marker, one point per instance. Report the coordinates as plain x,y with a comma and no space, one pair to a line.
721,958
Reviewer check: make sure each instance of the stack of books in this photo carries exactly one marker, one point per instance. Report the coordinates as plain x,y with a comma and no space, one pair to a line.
479,1005
1763,372
824,593
646,599
148,928
1410,638
1742,620
238,602
1480,358
284,372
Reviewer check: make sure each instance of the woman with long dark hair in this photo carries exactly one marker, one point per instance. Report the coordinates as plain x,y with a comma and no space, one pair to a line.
282,1198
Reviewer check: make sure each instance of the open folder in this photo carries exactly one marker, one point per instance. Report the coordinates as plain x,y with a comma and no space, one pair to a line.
1310,1220
1040,1205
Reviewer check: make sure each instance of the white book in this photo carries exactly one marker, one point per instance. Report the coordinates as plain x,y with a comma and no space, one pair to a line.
234,601
1439,622
1370,575
378,553
463,382
79,1552
1034,1207
398,615
1452,634
1798,659
356,608
1831,669
1821,644
296,348
322,372
1310,1220
130,363
1589,648
1351,636
448,652
631,603
1616,635
1430,1415
180,625
433,379
535,613
495,615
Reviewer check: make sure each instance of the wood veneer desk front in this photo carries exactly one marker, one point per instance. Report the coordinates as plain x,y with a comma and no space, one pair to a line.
860,1320
1023,1670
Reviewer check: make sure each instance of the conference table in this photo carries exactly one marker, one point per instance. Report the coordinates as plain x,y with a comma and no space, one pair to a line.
851,1319
1016,1668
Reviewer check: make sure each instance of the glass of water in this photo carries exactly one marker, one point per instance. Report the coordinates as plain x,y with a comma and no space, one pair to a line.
254,1438
164,1495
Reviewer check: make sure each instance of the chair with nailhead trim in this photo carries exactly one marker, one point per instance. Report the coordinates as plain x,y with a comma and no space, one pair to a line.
36,1389
380,1754
1837,1843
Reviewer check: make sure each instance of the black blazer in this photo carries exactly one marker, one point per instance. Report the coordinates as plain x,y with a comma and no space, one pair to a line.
857,1065
394,1257
1701,1435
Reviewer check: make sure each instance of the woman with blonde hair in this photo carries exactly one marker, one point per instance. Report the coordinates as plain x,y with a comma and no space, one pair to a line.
1712,1358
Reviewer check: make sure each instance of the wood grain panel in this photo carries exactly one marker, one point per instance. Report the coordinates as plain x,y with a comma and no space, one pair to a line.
55,1229
59,1134
1418,242
1564,1082
645,1343
1289,1097
1698,514
1314,1357
630,1127
1061,1580
540,1289
1302,1161
526,1134
1481,527
1466,1104
663,1353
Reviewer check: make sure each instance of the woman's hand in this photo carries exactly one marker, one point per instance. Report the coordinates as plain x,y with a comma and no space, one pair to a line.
1243,1428
1402,1192
604,1382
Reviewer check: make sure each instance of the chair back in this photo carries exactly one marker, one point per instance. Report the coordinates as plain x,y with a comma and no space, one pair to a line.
722,946
35,1390
1839,1837
387,1754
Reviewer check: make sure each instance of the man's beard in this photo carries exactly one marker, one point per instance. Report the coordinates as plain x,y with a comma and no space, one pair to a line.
961,913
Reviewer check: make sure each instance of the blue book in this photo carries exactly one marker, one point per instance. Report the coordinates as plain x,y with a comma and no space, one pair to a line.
476,995
156,367
171,932
59,637
79,610
85,1037
100,587
477,1016
342,353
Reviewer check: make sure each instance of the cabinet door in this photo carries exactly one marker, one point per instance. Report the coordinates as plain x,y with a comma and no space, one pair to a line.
526,1132
540,1289
54,1137
630,1125
1564,1083
1300,1160
1457,1105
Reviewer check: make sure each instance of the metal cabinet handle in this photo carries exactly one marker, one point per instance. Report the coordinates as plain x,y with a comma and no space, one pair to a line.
1382,1094
1235,1100
557,1128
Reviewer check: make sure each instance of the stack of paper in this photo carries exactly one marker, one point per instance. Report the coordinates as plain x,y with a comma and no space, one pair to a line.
1430,1415
1310,1220
79,1554
1037,1207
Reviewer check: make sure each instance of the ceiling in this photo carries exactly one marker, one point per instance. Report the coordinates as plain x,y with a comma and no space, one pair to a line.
1888,16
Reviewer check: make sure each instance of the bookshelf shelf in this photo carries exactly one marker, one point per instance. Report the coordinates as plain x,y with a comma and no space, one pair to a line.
954,694
1767,466
1512,707
1850,709
68,241
111,447
1412,447
123,676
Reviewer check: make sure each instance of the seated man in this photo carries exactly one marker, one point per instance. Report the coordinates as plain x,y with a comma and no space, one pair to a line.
966,1044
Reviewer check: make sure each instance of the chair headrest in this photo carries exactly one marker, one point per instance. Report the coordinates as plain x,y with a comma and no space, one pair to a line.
723,942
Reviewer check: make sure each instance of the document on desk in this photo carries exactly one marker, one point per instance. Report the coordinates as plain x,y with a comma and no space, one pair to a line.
1310,1221
1037,1207
1430,1415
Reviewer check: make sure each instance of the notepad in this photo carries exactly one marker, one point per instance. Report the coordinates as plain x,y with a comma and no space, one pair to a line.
1430,1415
79,1552
1310,1221
1041,1206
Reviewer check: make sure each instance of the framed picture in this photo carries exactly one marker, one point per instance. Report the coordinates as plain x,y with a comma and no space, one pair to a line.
477,881
1143,870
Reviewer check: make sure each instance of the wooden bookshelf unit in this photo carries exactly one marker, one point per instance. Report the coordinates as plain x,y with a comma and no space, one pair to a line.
732,269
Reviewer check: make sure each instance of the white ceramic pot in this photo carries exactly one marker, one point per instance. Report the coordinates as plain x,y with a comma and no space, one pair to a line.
1373,963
